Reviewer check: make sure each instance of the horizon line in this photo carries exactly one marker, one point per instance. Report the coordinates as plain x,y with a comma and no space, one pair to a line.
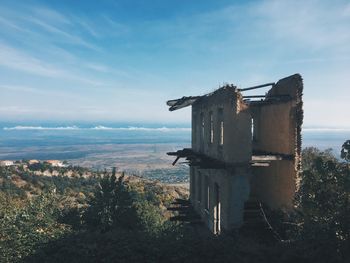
143,128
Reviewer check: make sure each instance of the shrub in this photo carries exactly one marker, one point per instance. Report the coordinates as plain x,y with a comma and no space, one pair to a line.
345,151
25,226
111,206
323,202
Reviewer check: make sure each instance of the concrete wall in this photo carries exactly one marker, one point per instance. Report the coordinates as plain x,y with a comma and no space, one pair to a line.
233,189
237,126
275,128
278,131
274,185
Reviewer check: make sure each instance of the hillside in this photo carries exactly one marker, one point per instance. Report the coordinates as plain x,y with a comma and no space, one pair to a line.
75,184
72,214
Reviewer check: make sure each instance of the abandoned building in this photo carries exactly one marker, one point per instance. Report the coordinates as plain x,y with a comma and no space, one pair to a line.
244,149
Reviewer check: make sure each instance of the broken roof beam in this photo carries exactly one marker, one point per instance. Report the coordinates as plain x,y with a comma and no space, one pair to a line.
258,86
269,100
203,161
282,96
182,153
181,103
271,157
254,96
198,159
177,158
260,164
266,158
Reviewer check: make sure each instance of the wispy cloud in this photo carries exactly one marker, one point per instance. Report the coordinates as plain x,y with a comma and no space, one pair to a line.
62,35
37,21
43,34
18,60
114,27
19,88
49,14
98,67
14,110
311,24
87,26
9,23
102,68
43,91
121,55
99,127
14,59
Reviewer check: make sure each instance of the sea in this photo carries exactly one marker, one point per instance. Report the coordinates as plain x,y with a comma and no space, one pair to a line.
139,148
56,135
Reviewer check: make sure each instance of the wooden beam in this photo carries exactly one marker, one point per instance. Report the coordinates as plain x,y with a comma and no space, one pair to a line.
258,87
260,164
266,158
174,162
254,96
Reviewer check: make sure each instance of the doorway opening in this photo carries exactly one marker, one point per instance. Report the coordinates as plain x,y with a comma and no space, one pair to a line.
217,209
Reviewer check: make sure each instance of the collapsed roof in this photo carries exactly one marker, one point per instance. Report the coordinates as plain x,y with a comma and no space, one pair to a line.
269,97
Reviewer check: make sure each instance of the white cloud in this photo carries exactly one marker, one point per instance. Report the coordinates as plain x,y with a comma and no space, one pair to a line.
248,43
36,22
62,35
98,67
10,24
19,88
326,113
20,61
15,110
49,14
24,91
310,24
14,59
87,26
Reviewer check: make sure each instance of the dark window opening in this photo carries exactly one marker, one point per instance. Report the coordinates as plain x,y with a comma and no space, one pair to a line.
254,130
211,128
221,126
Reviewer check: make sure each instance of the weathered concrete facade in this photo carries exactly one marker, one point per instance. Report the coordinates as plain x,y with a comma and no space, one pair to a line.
243,149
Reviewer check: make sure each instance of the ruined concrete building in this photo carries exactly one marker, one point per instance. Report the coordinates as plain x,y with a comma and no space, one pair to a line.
244,149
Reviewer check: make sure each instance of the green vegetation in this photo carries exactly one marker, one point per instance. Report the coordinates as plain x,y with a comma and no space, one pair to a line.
116,218
174,175
323,206
345,152
27,225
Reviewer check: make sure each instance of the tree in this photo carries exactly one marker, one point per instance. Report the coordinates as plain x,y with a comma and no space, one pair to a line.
311,153
112,205
323,201
100,211
345,151
26,225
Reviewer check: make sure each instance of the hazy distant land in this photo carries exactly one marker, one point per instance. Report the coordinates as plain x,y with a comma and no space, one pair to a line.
149,160
135,150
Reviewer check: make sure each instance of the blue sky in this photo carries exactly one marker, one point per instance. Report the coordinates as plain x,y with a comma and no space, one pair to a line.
121,60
